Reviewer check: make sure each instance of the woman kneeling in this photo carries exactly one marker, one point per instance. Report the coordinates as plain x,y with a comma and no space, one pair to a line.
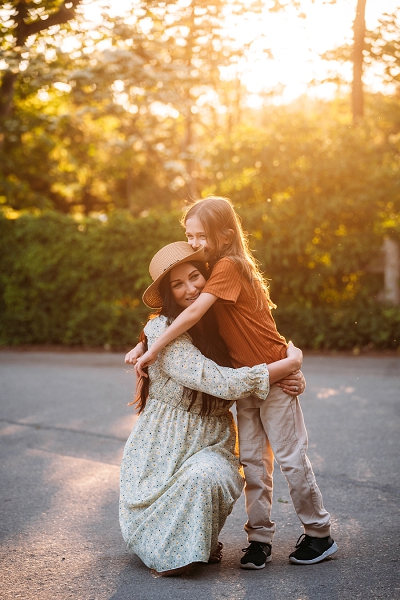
180,470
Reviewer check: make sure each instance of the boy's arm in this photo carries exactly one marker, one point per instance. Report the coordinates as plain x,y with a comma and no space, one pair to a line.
189,317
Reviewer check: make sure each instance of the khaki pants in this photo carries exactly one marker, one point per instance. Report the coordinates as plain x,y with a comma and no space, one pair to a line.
275,427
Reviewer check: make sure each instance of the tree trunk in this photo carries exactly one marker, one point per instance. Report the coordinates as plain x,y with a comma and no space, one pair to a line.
391,253
9,79
188,143
7,93
190,161
358,59
129,191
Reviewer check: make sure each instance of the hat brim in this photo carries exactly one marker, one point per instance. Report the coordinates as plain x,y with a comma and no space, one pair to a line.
151,296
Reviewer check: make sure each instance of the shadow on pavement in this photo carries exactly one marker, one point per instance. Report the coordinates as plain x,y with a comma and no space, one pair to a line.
63,425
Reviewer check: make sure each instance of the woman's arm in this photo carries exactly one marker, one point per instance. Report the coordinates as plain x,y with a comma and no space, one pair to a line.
133,355
292,383
184,363
189,317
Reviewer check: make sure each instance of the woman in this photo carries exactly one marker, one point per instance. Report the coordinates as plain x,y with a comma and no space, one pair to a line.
180,472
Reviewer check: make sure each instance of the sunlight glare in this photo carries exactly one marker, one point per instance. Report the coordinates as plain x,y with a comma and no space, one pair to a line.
296,45
284,57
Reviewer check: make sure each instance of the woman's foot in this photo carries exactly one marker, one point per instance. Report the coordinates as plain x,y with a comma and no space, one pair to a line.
216,556
175,572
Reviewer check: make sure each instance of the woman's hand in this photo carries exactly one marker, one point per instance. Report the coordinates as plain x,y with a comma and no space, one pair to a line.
295,355
294,385
133,355
144,361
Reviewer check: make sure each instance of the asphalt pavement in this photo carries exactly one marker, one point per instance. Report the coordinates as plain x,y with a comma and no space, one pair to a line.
64,420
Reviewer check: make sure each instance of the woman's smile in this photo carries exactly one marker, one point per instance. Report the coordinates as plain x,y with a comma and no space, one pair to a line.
193,298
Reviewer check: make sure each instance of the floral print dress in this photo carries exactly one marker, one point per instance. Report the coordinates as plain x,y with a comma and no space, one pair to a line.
180,472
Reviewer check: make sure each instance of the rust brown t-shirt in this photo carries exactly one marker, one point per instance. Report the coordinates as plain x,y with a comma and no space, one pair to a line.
244,318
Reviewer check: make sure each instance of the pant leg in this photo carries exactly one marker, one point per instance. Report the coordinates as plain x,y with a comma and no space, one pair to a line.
257,459
283,422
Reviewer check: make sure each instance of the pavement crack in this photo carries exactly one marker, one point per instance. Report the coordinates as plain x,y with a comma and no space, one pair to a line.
63,429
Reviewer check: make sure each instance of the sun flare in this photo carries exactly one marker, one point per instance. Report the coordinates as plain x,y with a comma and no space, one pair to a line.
285,47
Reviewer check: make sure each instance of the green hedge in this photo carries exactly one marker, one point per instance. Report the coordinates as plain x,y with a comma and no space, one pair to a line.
360,325
79,283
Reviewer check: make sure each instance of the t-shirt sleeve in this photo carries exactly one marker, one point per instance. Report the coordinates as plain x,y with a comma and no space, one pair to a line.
225,281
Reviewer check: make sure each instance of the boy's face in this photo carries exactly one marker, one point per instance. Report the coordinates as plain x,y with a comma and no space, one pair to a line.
197,237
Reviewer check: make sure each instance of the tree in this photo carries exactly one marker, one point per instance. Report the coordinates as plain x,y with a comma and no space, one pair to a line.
358,61
383,48
27,20
377,50
62,110
120,121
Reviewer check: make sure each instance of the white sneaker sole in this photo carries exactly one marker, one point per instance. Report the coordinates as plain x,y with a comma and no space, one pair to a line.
323,556
253,566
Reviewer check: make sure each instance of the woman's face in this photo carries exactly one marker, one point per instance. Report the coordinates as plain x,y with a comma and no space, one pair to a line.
186,284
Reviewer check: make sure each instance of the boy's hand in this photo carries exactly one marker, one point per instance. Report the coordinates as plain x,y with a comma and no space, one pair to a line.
144,361
294,385
294,354
133,355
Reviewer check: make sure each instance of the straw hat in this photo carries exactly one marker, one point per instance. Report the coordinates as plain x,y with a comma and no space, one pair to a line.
166,259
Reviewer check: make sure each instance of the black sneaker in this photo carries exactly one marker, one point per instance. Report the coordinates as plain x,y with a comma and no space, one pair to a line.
312,550
256,555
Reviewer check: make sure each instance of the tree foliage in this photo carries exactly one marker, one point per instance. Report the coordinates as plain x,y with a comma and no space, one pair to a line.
108,130
26,20
137,95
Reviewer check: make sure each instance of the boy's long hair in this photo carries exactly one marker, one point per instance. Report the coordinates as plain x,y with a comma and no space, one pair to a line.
219,218
205,337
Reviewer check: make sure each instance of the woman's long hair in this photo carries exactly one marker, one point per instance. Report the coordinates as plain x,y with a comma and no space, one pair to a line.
205,337
219,219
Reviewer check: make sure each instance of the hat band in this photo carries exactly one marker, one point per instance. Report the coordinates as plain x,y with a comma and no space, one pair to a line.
173,263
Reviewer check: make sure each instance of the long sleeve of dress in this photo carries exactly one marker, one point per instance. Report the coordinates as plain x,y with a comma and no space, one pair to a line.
185,364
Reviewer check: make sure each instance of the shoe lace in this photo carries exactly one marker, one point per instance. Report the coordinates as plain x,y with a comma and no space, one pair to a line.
260,544
305,540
